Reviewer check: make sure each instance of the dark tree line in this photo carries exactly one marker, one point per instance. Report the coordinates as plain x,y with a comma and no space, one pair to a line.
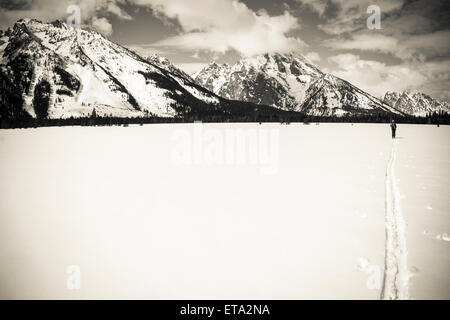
441,118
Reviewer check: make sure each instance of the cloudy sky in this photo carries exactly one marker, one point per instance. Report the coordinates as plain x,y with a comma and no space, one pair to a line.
411,51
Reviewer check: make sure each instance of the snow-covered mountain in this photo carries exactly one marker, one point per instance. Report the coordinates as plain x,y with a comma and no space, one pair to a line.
165,64
417,104
288,82
277,80
53,70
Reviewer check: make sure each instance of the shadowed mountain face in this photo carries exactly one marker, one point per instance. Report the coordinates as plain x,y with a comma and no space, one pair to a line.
51,70
288,82
278,80
417,104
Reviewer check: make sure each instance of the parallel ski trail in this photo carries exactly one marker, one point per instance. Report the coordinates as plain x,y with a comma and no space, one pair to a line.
396,275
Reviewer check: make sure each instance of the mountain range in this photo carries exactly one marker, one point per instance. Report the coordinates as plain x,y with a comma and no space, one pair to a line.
289,82
416,104
51,70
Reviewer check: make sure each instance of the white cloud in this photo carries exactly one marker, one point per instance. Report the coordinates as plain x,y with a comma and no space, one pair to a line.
365,41
374,77
377,78
416,35
420,47
430,45
313,57
415,32
347,15
224,25
102,25
114,9
48,10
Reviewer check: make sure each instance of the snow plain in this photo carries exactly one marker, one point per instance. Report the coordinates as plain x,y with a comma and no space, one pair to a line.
113,202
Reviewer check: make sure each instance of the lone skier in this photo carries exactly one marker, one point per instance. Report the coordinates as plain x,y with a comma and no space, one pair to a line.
393,128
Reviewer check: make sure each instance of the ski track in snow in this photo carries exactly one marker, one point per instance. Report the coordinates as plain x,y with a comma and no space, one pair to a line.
396,274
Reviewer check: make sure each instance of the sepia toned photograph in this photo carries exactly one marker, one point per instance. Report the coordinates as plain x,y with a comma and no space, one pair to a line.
224,150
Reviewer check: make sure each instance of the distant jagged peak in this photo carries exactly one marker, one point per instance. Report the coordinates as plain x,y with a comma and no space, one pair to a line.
414,95
415,103
28,21
211,69
261,59
392,93
287,57
60,24
158,57
55,27
38,24
165,64
214,65
287,63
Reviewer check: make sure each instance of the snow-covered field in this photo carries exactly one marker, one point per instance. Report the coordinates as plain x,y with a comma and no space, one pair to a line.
114,204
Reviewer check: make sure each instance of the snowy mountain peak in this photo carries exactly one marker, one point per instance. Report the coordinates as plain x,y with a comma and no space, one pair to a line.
415,103
279,80
159,59
165,64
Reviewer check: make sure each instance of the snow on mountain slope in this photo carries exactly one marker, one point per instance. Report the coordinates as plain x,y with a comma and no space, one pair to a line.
75,71
276,80
287,82
165,64
417,104
330,95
